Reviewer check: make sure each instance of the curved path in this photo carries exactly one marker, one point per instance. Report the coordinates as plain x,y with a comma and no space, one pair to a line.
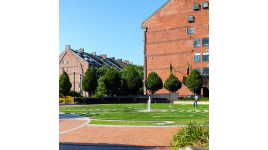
74,133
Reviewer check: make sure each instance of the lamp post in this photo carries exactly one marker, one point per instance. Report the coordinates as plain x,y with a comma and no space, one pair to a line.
74,83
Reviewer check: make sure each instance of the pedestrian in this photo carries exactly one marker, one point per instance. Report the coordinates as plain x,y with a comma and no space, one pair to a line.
195,101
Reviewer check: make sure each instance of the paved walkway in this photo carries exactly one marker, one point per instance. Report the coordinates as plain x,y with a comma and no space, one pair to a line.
75,134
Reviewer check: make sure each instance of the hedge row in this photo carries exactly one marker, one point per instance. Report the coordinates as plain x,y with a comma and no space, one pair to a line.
192,98
113,100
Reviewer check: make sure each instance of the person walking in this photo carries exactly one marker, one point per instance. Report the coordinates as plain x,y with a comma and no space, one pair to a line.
196,99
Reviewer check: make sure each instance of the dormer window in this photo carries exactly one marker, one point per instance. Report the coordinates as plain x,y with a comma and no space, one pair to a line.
196,6
190,18
205,4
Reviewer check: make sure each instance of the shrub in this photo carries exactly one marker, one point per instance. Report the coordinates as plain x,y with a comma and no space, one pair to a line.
67,99
172,84
194,81
76,94
78,100
192,135
64,84
153,82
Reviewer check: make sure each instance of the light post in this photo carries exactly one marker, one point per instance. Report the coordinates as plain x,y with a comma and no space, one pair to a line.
74,83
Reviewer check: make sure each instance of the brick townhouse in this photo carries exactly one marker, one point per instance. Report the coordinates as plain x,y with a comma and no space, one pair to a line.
80,61
177,33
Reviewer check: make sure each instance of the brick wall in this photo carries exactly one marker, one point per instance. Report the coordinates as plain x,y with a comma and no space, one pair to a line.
167,40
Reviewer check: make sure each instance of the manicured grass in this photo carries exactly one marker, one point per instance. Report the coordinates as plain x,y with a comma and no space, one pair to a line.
133,123
126,112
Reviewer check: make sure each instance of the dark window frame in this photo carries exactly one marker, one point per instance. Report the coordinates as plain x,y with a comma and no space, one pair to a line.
197,45
195,57
190,30
205,73
203,39
203,56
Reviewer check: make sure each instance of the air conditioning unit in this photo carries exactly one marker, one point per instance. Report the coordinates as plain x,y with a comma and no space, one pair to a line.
205,4
196,6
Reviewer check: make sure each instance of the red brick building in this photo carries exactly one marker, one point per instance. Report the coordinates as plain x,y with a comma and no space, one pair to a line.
80,61
177,33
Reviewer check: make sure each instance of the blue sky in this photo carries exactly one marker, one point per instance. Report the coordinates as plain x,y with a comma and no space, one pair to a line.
111,27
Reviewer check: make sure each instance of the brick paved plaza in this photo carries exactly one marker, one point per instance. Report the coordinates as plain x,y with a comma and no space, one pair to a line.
111,137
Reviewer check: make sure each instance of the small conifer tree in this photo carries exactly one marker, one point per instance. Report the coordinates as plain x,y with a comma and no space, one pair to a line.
89,82
172,84
153,82
64,85
194,81
112,80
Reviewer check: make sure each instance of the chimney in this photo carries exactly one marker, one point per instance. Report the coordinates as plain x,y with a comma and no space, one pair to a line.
118,60
93,53
112,58
131,63
103,56
126,62
81,50
67,47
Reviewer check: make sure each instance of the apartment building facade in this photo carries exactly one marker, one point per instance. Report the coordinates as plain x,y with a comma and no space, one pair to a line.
174,35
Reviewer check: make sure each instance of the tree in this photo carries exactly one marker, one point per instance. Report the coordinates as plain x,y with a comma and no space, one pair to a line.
208,84
153,82
172,84
64,85
89,82
131,78
194,81
133,81
112,80
101,90
102,70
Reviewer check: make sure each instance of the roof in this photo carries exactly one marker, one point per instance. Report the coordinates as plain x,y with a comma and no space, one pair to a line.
97,60
155,12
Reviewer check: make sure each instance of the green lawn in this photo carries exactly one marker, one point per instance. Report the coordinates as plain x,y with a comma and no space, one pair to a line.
125,112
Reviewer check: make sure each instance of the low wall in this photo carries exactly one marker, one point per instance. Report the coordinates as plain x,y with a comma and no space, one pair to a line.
169,96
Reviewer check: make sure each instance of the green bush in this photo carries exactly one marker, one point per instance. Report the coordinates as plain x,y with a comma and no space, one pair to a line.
153,82
76,94
194,81
192,135
79,100
172,84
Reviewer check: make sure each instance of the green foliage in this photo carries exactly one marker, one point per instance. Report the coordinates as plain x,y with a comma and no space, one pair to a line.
208,84
112,80
64,84
194,81
192,98
192,135
102,70
101,90
89,82
172,84
153,82
131,80
76,94
79,100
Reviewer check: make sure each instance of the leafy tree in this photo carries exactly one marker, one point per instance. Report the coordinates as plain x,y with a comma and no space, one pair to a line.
133,81
112,80
102,70
131,78
172,84
208,84
101,90
64,85
194,81
153,82
89,82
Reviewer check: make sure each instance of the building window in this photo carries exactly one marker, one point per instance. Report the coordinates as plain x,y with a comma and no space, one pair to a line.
63,69
205,4
196,42
198,69
206,72
196,6
63,62
197,57
205,41
190,18
190,30
205,56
